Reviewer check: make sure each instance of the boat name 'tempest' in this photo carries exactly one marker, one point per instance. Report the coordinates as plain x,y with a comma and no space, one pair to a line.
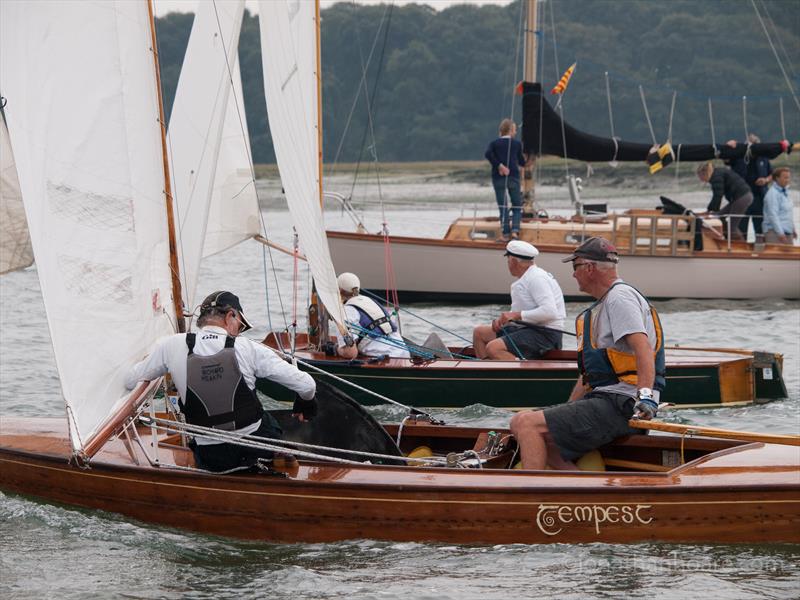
550,516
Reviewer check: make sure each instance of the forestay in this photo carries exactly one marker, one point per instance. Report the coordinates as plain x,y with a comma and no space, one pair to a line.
289,55
15,241
209,147
83,120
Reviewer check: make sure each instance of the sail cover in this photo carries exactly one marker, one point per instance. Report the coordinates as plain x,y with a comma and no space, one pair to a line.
15,241
209,148
82,116
544,132
289,55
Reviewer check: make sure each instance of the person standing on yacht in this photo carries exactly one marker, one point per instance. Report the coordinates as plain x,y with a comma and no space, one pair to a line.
534,324
778,222
621,365
508,161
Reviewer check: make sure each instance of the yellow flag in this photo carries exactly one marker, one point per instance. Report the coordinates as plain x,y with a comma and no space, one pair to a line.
564,81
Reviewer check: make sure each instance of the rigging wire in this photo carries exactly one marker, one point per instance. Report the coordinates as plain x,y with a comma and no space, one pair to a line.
786,56
647,116
775,52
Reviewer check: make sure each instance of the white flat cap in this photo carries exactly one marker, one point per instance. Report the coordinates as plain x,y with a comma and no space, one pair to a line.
521,249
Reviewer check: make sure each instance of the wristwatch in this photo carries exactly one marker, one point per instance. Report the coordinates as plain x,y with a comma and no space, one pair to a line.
644,394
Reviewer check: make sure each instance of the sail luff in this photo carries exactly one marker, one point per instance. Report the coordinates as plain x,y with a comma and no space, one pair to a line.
289,51
177,295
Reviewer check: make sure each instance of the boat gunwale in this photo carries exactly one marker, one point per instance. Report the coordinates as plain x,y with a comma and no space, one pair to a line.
747,255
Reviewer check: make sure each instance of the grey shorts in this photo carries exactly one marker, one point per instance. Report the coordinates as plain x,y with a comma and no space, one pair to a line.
589,422
529,342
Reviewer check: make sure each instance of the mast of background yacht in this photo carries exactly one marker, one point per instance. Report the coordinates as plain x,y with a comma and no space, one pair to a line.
530,56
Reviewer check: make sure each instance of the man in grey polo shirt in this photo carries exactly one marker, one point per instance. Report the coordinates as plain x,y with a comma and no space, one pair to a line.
621,361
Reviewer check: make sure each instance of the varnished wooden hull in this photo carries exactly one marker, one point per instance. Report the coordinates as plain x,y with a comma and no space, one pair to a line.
746,493
695,377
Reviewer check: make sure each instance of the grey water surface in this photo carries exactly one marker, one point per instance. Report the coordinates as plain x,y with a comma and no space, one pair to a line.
56,551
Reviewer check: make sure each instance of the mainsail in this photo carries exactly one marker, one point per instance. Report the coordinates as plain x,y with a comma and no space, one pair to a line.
83,119
15,241
289,55
209,147
544,132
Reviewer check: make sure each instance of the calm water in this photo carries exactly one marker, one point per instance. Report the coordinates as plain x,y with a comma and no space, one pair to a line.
47,550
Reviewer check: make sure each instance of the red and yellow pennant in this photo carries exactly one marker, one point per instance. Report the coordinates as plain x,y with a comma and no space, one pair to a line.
562,84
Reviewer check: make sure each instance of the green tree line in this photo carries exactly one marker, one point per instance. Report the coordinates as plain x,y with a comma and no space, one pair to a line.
438,82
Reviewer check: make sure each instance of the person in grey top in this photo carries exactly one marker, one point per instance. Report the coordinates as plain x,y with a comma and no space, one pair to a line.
620,358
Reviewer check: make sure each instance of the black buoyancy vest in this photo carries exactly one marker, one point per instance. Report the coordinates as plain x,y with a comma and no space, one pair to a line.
216,393
606,366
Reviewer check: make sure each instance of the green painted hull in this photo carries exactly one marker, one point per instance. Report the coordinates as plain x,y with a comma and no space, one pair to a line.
512,388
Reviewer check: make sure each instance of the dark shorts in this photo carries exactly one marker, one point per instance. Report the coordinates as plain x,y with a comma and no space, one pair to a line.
524,341
223,457
589,422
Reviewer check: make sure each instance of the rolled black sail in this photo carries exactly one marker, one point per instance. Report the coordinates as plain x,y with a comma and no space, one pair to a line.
542,134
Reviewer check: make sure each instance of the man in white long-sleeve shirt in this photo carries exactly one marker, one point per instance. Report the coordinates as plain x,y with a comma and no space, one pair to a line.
533,325
215,374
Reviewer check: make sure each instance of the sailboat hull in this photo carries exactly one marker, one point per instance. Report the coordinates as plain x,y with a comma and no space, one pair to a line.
732,492
696,377
428,269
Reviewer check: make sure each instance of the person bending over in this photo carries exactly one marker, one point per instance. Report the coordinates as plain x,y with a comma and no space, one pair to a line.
215,371
375,331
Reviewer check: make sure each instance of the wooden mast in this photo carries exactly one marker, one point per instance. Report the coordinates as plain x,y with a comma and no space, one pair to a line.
317,315
529,74
177,293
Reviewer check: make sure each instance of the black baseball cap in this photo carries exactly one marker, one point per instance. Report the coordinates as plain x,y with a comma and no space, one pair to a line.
222,300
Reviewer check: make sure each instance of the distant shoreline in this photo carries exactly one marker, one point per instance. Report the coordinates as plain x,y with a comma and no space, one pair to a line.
551,171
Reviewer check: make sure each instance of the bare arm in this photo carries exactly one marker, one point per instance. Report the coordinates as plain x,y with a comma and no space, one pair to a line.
579,390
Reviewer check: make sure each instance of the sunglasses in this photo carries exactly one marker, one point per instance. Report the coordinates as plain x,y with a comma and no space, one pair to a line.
576,266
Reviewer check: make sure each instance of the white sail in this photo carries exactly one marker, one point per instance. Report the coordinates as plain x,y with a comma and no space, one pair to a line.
203,101
289,55
83,119
15,241
233,215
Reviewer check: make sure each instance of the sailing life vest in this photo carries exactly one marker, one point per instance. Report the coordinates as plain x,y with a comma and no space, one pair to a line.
372,317
607,366
216,393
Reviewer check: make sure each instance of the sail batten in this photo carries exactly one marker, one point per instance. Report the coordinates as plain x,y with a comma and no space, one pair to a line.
82,116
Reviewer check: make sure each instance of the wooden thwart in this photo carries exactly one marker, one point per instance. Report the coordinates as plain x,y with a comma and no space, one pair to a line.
747,436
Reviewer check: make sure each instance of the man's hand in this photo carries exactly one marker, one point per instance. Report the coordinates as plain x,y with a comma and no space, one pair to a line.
503,170
646,407
305,410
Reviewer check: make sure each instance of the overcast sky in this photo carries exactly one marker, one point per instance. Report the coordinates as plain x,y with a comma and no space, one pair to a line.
163,7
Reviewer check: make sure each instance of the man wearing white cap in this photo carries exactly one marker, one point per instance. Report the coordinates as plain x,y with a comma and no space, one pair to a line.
375,331
534,323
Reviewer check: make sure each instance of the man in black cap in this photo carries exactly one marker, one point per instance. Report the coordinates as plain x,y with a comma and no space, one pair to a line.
621,365
215,372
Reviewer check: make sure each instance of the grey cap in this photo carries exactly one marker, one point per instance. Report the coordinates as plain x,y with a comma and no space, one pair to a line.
595,248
